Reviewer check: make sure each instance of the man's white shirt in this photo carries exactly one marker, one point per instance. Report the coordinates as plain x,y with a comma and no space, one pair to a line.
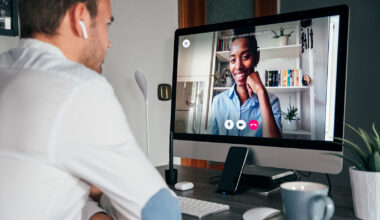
62,130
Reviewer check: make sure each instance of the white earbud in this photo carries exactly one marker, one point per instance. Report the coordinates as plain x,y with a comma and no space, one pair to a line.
84,31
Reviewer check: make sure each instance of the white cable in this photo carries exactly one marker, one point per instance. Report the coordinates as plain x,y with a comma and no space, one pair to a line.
147,128
142,83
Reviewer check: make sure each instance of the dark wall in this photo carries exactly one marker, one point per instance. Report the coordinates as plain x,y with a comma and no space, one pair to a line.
363,65
226,10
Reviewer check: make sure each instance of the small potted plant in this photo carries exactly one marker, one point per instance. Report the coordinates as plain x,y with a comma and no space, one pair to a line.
218,80
365,174
226,73
224,78
290,118
282,38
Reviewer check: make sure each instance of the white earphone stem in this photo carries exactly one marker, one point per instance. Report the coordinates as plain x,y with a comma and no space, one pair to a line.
84,31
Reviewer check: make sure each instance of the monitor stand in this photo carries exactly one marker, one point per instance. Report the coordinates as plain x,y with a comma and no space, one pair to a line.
265,180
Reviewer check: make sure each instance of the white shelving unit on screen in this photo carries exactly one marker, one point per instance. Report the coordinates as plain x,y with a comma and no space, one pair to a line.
294,52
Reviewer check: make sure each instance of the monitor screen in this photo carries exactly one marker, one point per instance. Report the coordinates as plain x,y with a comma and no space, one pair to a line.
275,81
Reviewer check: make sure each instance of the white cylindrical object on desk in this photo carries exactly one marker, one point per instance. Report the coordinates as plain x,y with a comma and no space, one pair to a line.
366,193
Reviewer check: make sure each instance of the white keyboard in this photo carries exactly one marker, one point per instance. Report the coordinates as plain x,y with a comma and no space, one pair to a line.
200,208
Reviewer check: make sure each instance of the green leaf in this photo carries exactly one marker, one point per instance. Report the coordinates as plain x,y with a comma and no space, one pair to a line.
291,114
366,139
372,143
354,147
289,34
377,138
358,166
358,158
374,162
360,134
275,36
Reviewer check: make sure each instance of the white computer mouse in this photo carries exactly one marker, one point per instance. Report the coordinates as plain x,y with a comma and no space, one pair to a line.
184,185
260,213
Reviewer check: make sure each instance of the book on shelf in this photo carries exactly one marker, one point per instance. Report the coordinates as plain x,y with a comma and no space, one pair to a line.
272,78
224,44
283,78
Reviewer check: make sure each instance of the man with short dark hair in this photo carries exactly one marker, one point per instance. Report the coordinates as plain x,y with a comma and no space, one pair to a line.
62,129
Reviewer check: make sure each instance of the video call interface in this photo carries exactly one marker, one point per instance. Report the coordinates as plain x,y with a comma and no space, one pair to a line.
272,81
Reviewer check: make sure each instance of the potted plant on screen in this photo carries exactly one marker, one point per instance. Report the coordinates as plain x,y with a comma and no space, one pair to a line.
282,38
365,174
227,75
290,118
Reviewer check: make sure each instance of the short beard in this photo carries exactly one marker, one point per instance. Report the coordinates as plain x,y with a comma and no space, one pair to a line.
88,59
90,53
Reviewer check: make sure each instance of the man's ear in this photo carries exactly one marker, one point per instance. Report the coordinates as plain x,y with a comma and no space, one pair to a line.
80,20
257,58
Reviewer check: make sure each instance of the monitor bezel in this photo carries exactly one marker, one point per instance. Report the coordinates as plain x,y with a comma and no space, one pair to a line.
342,11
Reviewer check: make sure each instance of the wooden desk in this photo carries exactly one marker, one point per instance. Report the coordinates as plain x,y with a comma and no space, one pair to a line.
242,202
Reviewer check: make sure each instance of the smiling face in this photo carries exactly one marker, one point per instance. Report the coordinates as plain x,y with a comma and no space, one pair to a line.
242,60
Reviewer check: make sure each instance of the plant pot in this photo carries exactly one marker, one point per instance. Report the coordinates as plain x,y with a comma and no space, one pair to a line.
290,125
366,193
282,41
229,81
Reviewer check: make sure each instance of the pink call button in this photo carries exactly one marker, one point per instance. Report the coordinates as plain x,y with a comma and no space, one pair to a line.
253,124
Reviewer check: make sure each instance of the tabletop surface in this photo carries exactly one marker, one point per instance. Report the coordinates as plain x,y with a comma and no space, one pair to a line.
248,199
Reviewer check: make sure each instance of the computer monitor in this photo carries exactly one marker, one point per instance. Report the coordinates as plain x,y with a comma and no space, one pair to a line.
240,83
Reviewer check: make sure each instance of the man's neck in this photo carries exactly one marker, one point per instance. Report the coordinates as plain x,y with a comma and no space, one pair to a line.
67,47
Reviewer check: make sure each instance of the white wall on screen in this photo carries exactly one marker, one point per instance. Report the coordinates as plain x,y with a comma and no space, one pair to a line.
195,60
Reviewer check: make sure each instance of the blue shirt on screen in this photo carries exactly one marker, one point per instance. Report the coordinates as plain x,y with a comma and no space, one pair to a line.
226,106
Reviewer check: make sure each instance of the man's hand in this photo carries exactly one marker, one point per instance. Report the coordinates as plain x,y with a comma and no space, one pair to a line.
254,84
100,216
95,193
